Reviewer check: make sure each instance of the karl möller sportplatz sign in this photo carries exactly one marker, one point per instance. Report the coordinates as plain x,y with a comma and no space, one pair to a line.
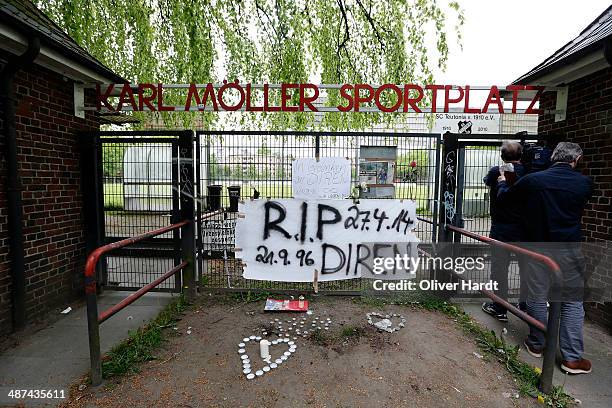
306,97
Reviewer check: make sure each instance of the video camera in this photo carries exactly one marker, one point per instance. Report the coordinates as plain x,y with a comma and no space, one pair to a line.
535,157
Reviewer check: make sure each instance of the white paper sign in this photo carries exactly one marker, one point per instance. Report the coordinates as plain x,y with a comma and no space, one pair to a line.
330,177
218,234
286,240
467,123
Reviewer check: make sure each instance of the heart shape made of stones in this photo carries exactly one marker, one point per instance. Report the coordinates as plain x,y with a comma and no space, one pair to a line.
247,364
384,323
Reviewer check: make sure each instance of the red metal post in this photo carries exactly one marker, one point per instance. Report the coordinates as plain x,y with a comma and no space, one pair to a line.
93,328
93,320
93,323
552,265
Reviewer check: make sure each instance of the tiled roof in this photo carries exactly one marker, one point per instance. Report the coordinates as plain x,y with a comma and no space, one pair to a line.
589,39
23,15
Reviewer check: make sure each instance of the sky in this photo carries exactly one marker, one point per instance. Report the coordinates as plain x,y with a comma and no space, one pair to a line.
502,40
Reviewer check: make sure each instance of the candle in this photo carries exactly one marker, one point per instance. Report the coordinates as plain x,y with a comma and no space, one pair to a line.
264,349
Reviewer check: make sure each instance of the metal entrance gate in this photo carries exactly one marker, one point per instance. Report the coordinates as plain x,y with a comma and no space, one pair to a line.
466,161
259,165
138,175
139,179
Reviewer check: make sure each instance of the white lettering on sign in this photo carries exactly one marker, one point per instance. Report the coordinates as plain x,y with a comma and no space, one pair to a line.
329,177
286,240
466,123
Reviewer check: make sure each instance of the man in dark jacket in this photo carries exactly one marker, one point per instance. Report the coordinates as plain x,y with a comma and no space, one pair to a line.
553,201
505,226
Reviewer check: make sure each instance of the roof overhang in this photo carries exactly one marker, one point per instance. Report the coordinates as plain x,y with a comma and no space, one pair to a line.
16,42
579,65
564,74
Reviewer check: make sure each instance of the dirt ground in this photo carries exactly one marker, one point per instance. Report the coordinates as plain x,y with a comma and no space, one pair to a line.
428,363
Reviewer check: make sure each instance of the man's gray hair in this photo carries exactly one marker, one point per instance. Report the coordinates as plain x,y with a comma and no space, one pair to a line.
511,151
566,152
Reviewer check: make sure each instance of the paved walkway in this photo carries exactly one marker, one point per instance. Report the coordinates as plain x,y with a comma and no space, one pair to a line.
57,355
594,390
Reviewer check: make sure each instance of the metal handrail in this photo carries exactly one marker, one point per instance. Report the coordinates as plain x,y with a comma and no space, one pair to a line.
552,265
552,328
94,257
93,319
111,311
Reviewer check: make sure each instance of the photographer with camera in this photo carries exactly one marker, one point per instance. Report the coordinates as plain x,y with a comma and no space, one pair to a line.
552,202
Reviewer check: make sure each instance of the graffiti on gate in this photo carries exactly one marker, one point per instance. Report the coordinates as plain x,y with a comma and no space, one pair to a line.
449,186
186,181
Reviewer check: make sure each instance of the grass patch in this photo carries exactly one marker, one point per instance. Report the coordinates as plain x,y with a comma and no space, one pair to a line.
408,298
248,297
320,338
126,357
421,192
527,377
348,332
113,196
327,339
204,280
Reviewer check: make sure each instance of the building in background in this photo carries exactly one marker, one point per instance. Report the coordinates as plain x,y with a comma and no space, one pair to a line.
44,153
583,67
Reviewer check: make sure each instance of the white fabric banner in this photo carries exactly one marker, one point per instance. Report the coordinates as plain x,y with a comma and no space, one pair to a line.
287,239
330,177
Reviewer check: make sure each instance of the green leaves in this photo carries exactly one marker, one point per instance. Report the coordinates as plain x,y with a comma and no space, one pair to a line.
323,41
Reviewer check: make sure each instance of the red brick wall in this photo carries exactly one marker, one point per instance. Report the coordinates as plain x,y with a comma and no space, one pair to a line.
48,159
589,123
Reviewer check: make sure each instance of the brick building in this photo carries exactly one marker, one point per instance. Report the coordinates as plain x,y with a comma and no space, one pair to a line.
583,68
42,228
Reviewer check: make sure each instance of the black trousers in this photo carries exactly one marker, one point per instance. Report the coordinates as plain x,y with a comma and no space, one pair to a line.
500,262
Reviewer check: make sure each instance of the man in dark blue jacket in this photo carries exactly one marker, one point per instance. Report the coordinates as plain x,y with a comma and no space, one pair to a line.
505,226
553,201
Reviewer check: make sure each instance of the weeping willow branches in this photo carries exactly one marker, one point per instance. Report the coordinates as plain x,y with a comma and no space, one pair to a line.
327,41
